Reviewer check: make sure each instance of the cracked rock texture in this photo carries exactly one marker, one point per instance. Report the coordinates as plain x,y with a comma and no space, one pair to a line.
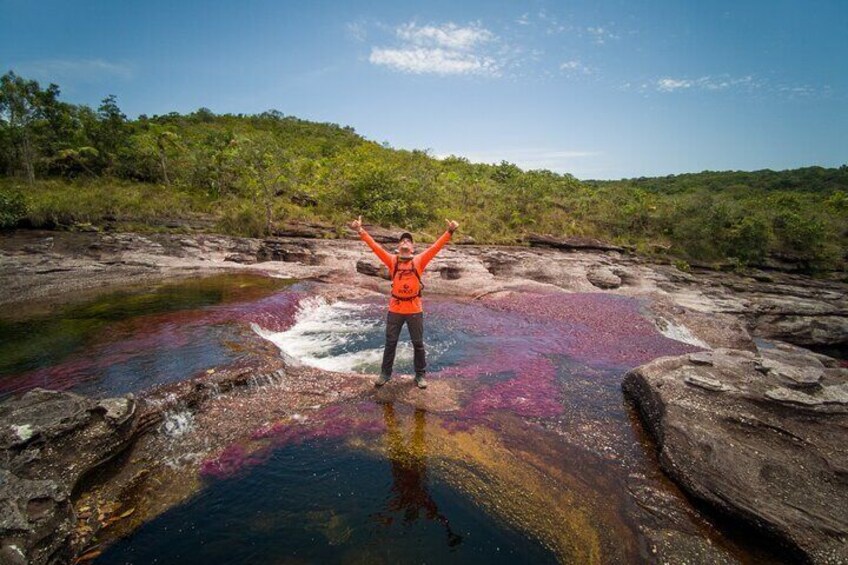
761,436
49,441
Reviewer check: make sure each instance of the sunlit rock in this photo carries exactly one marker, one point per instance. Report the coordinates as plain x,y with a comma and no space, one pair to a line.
737,433
603,277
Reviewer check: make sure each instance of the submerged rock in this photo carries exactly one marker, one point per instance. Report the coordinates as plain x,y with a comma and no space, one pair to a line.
49,441
763,438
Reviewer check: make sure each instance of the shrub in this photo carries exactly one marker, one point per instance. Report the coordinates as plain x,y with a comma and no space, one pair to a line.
13,208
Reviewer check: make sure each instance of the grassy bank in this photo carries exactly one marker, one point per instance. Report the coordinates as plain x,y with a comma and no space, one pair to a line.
248,174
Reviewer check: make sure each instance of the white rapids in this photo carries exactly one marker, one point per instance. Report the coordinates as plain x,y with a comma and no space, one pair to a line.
332,336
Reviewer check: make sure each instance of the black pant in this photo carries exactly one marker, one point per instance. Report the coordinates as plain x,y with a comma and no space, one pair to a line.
394,323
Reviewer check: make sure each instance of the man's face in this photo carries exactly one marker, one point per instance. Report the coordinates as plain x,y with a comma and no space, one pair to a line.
406,248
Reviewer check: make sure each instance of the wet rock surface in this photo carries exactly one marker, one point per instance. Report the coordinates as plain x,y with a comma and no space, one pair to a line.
762,437
188,424
49,441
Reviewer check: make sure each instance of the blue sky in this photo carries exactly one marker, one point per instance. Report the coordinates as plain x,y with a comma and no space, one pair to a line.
597,89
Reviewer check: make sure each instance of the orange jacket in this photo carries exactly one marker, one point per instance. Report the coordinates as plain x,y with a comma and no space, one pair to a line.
404,273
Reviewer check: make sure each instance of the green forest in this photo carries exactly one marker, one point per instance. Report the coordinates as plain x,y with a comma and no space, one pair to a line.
65,165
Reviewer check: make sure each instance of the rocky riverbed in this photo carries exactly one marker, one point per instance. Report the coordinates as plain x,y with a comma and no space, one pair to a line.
79,471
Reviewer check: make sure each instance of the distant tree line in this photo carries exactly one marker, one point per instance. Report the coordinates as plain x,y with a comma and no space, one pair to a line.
63,163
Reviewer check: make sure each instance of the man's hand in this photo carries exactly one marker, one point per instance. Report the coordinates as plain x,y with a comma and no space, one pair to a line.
356,225
452,225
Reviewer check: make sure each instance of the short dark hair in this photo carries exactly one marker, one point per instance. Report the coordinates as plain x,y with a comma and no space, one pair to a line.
406,235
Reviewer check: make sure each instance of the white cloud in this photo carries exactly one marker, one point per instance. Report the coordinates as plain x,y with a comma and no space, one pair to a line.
523,20
422,60
668,84
74,70
601,34
446,49
356,31
672,84
575,66
449,35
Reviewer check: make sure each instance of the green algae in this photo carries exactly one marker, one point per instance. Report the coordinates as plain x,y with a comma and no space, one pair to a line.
56,330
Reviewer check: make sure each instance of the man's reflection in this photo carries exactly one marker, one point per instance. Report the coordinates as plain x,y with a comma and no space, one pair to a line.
409,474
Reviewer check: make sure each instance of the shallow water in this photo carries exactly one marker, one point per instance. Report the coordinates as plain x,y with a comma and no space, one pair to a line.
136,338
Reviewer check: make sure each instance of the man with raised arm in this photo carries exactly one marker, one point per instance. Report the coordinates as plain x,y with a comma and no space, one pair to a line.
406,269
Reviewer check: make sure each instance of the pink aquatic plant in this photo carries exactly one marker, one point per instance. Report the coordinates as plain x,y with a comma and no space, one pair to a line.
154,338
233,460
330,423
523,333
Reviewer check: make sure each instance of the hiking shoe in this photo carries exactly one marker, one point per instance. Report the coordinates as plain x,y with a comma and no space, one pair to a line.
421,382
382,380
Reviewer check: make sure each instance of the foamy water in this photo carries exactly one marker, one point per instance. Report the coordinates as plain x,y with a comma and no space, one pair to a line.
176,424
338,336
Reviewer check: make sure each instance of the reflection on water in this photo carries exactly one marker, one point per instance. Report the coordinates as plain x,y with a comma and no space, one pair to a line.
322,502
410,487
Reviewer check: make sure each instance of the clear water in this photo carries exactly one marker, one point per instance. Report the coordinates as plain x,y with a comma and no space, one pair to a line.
321,502
132,339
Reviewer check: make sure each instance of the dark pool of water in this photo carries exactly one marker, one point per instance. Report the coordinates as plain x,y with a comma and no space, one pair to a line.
321,502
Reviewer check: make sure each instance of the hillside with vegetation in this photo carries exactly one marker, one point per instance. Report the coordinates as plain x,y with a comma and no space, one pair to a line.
66,165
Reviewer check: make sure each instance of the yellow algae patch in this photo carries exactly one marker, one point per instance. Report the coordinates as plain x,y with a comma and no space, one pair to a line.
502,483
440,396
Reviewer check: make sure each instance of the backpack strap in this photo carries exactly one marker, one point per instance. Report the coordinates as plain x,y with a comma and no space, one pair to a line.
414,270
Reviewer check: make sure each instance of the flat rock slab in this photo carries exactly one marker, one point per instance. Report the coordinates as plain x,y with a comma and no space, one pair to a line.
763,437
572,243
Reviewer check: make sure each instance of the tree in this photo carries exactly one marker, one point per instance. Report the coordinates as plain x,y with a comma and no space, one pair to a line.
151,148
164,140
112,133
22,105
266,171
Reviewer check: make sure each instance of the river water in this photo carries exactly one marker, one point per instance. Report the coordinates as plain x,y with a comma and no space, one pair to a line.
523,449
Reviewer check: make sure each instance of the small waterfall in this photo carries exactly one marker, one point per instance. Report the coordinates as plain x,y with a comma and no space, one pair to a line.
176,424
338,336
262,380
678,332
212,389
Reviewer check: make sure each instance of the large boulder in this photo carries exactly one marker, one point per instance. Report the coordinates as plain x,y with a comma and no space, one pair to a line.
372,269
49,441
763,437
602,276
